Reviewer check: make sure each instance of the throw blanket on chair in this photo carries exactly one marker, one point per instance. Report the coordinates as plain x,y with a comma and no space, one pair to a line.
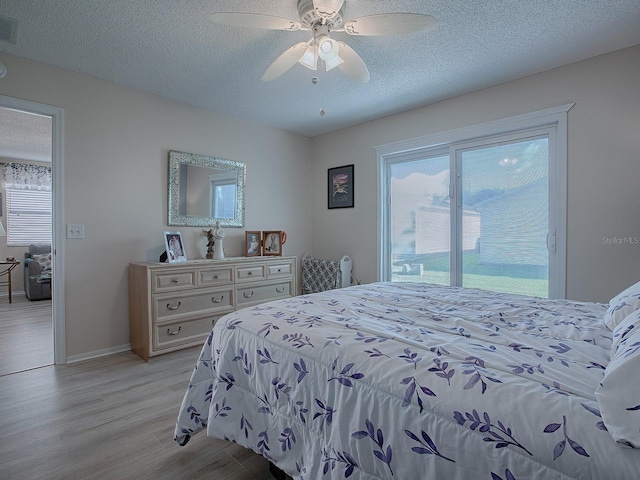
320,275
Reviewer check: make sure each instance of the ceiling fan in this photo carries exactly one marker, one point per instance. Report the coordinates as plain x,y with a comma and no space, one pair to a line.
322,17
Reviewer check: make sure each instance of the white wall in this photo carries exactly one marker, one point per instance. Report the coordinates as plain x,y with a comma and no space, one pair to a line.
116,161
603,167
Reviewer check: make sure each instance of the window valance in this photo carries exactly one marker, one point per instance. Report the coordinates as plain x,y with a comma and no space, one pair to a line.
21,176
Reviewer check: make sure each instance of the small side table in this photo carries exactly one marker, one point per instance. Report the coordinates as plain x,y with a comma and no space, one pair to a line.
5,269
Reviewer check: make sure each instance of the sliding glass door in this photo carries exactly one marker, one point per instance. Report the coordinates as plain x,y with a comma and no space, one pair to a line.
472,214
503,216
420,220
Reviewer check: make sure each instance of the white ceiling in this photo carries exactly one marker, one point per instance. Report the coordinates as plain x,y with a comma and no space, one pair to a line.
25,136
171,48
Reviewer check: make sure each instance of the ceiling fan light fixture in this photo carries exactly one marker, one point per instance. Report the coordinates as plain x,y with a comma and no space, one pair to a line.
328,48
309,58
333,63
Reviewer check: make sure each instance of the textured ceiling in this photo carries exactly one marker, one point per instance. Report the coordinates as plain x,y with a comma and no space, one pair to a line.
171,48
25,136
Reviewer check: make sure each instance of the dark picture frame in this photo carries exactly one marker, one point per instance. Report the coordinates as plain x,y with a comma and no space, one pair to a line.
272,243
340,184
253,243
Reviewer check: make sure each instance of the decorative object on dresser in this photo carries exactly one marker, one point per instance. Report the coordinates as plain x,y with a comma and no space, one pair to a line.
174,247
218,235
340,191
210,243
38,272
273,242
320,275
174,306
252,243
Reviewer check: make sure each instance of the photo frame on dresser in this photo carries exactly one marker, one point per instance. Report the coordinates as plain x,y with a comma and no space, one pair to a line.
175,247
272,243
253,243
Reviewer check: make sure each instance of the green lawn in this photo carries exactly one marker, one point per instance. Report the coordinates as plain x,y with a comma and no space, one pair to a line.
519,279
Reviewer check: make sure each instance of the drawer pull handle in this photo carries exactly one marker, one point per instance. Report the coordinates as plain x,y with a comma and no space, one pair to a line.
174,280
248,295
175,332
279,290
216,277
250,272
213,299
279,270
173,307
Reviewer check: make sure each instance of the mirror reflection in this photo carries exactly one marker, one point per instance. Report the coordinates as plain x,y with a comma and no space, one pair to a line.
203,190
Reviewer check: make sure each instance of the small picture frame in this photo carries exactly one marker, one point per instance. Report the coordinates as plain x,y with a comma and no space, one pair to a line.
175,247
272,243
340,187
253,243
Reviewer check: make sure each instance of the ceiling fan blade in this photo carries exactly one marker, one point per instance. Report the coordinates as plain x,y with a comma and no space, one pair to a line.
284,62
385,24
353,66
327,8
255,20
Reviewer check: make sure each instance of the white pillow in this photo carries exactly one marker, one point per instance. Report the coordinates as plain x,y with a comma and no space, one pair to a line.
621,332
618,393
623,304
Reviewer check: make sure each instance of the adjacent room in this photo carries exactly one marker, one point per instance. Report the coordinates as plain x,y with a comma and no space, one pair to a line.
198,197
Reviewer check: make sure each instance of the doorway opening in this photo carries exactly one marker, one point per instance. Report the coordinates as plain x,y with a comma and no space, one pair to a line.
31,154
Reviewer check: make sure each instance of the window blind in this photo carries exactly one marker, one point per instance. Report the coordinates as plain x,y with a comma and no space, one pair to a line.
29,217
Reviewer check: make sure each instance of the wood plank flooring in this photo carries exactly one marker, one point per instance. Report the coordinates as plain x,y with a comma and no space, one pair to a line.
26,334
110,418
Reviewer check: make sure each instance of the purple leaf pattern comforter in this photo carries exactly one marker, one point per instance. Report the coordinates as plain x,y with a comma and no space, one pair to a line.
411,381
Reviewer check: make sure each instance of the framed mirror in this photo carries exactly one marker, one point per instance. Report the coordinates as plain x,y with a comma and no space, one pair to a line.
203,190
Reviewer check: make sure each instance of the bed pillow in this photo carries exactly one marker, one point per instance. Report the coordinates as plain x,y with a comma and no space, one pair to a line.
635,288
617,393
623,304
621,332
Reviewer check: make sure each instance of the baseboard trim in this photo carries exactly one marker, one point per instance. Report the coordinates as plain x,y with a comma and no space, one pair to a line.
98,353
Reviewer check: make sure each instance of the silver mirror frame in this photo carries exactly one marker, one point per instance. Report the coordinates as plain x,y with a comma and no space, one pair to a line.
175,218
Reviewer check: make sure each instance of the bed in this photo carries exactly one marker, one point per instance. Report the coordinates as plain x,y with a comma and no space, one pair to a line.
407,381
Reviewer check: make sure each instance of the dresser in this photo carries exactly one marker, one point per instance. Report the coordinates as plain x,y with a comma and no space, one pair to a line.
175,305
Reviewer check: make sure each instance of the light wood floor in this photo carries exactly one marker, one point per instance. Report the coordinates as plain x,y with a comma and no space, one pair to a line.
26,339
110,418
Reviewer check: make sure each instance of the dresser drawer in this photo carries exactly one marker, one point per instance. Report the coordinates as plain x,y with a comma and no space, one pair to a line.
276,270
215,276
169,281
187,331
187,303
263,293
250,273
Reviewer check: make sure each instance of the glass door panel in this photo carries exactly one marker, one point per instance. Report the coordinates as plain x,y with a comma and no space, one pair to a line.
420,220
504,217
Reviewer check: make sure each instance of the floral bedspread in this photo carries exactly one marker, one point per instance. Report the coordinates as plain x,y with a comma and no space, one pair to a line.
411,381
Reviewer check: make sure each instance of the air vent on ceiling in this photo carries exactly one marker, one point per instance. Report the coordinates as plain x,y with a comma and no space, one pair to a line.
8,29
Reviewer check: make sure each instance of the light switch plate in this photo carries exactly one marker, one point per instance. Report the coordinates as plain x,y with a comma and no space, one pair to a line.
75,230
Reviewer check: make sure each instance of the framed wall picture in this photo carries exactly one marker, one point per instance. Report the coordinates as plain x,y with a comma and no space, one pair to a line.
272,243
340,187
253,243
175,247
